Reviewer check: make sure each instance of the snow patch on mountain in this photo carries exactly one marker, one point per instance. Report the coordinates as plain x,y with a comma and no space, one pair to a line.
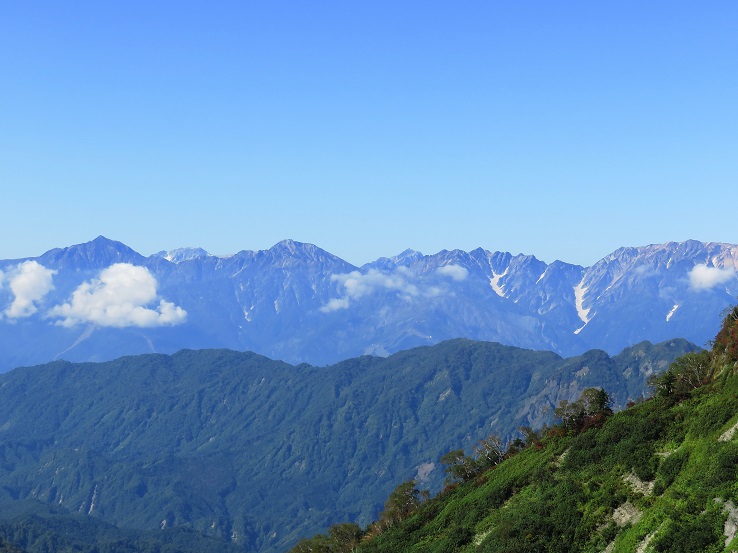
277,301
579,291
494,282
82,337
671,313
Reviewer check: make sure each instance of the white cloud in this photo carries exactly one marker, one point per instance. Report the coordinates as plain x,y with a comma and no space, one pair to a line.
120,297
30,282
335,304
645,271
456,272
702,277
356,285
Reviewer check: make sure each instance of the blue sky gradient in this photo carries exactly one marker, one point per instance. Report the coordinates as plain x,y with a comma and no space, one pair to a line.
563,130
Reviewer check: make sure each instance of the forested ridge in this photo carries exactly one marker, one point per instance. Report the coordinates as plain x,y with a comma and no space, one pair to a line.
252,453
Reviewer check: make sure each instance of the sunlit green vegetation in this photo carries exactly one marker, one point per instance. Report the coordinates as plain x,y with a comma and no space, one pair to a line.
660,476
259,453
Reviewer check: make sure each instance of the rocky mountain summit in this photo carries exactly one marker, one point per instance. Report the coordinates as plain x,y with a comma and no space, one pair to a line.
297,302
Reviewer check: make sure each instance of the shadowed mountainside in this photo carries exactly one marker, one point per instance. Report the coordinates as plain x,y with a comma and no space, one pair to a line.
258,452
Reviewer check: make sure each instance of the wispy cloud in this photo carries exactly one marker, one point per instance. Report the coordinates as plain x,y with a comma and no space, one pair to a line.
335,304
356,285
456,272
121,296
29,282
645,271
702,277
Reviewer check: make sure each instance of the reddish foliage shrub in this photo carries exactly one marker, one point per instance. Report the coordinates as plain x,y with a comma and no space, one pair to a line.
726,341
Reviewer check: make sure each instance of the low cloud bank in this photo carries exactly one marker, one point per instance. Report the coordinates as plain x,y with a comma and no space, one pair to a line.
702,277
356,285
121,296
407,284
29,282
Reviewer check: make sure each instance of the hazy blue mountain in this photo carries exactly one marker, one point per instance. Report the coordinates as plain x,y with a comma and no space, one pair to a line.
259,453
182,254
97,254
299,303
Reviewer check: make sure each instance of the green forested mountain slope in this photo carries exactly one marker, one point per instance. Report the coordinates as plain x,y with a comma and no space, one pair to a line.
34,528
256,452
660,476
6,547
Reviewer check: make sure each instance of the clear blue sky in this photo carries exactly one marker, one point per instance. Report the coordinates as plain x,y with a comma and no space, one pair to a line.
560,129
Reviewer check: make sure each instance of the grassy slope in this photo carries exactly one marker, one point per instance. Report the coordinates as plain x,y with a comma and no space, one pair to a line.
564,493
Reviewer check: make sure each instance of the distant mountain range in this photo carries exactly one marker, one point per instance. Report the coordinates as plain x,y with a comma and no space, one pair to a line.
296,302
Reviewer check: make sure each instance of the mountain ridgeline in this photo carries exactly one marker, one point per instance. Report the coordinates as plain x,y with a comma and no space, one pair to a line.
252,453
660,476
298,303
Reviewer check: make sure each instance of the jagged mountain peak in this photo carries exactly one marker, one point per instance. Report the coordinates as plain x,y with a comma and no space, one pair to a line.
98,253
102,242
290,243
179,255
294,248
403,259
289,253
409,255
658,257
445,257
297,302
